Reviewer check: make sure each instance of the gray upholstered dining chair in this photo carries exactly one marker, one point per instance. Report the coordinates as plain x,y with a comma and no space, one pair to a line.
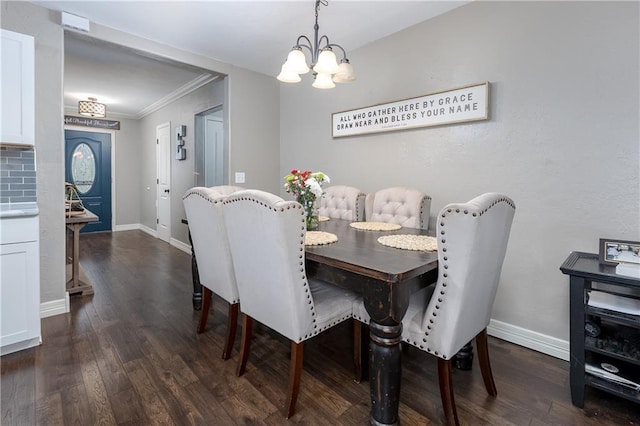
442,318
405,206
267,237
203,207
342,202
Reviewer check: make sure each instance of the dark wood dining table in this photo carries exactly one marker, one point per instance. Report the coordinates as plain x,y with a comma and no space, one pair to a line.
386,277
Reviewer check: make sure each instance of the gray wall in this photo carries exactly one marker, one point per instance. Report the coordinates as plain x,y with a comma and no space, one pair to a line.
44,26
253,128
182,111
562,139
127,175
249,98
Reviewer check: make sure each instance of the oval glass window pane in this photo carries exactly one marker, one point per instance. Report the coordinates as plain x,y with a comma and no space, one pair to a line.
83,168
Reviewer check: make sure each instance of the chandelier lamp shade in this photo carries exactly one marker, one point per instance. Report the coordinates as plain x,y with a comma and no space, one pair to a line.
324,63
92,108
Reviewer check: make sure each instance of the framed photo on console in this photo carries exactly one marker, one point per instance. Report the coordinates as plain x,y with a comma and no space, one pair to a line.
614,252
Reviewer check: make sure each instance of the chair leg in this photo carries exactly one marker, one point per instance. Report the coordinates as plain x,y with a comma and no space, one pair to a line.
360,350
485,365
204,312
245,344
295,371
446,392
232,325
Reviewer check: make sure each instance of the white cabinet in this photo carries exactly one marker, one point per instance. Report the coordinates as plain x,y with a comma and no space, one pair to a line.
18,102
19,284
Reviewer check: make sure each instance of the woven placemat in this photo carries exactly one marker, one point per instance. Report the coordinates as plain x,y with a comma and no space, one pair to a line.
410,242
318,238
375,226
323,218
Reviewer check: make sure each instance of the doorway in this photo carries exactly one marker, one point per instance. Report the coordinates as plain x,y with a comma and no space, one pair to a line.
163,173
210,147
88,167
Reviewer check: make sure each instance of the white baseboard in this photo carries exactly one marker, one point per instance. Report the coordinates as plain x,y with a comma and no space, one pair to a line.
180,245
149,231
129,227
55,307
530,339
137,226
20,346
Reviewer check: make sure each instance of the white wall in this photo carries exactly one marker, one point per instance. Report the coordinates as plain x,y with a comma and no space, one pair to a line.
562,139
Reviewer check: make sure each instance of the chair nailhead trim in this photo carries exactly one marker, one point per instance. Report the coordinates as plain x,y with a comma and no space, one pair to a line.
446,258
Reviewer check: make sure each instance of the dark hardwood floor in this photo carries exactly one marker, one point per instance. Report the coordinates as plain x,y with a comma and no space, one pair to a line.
130,355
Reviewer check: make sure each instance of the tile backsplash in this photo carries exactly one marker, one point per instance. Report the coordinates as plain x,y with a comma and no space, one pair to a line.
17,175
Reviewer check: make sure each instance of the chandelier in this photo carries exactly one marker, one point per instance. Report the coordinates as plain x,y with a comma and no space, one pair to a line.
324,64
91,108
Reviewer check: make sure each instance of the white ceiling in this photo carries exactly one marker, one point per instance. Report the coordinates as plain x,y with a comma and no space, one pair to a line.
256,35
132,85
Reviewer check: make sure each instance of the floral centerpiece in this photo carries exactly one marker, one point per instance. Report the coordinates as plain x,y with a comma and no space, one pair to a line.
306,187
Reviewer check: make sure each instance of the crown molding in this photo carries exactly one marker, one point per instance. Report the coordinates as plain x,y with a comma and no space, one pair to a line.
194,84
178,93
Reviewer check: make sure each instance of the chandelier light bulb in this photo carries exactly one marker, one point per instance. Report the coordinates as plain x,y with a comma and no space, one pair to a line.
345,72
323,81
327,62
297,62
288,76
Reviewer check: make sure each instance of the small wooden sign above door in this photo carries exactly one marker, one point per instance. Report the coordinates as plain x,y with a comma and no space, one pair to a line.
92,122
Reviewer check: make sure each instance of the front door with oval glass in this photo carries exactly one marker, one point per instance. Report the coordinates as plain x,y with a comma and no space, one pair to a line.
88,166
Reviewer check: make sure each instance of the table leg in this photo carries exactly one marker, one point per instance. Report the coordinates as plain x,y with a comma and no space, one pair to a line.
195,278
74,285
463,360
197,287
385,372
576,340
75,271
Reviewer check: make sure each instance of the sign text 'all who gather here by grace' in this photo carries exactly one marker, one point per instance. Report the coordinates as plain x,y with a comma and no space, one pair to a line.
469,103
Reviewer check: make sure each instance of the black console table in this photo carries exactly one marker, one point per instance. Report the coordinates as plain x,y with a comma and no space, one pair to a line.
604,350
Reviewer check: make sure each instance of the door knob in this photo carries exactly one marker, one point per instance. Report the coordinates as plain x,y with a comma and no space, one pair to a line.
166,190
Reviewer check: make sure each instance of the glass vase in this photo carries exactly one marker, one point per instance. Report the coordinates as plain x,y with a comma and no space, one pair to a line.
311,214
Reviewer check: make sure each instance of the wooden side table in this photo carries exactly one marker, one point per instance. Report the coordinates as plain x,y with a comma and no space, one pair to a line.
75,224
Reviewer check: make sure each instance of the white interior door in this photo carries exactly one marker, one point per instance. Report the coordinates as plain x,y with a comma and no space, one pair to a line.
214,151
163,169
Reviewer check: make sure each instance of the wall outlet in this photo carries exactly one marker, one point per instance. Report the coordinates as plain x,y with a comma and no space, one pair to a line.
239,177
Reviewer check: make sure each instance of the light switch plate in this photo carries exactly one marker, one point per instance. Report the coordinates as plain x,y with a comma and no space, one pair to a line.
239,177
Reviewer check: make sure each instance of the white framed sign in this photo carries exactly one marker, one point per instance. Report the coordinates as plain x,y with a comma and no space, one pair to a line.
464,104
